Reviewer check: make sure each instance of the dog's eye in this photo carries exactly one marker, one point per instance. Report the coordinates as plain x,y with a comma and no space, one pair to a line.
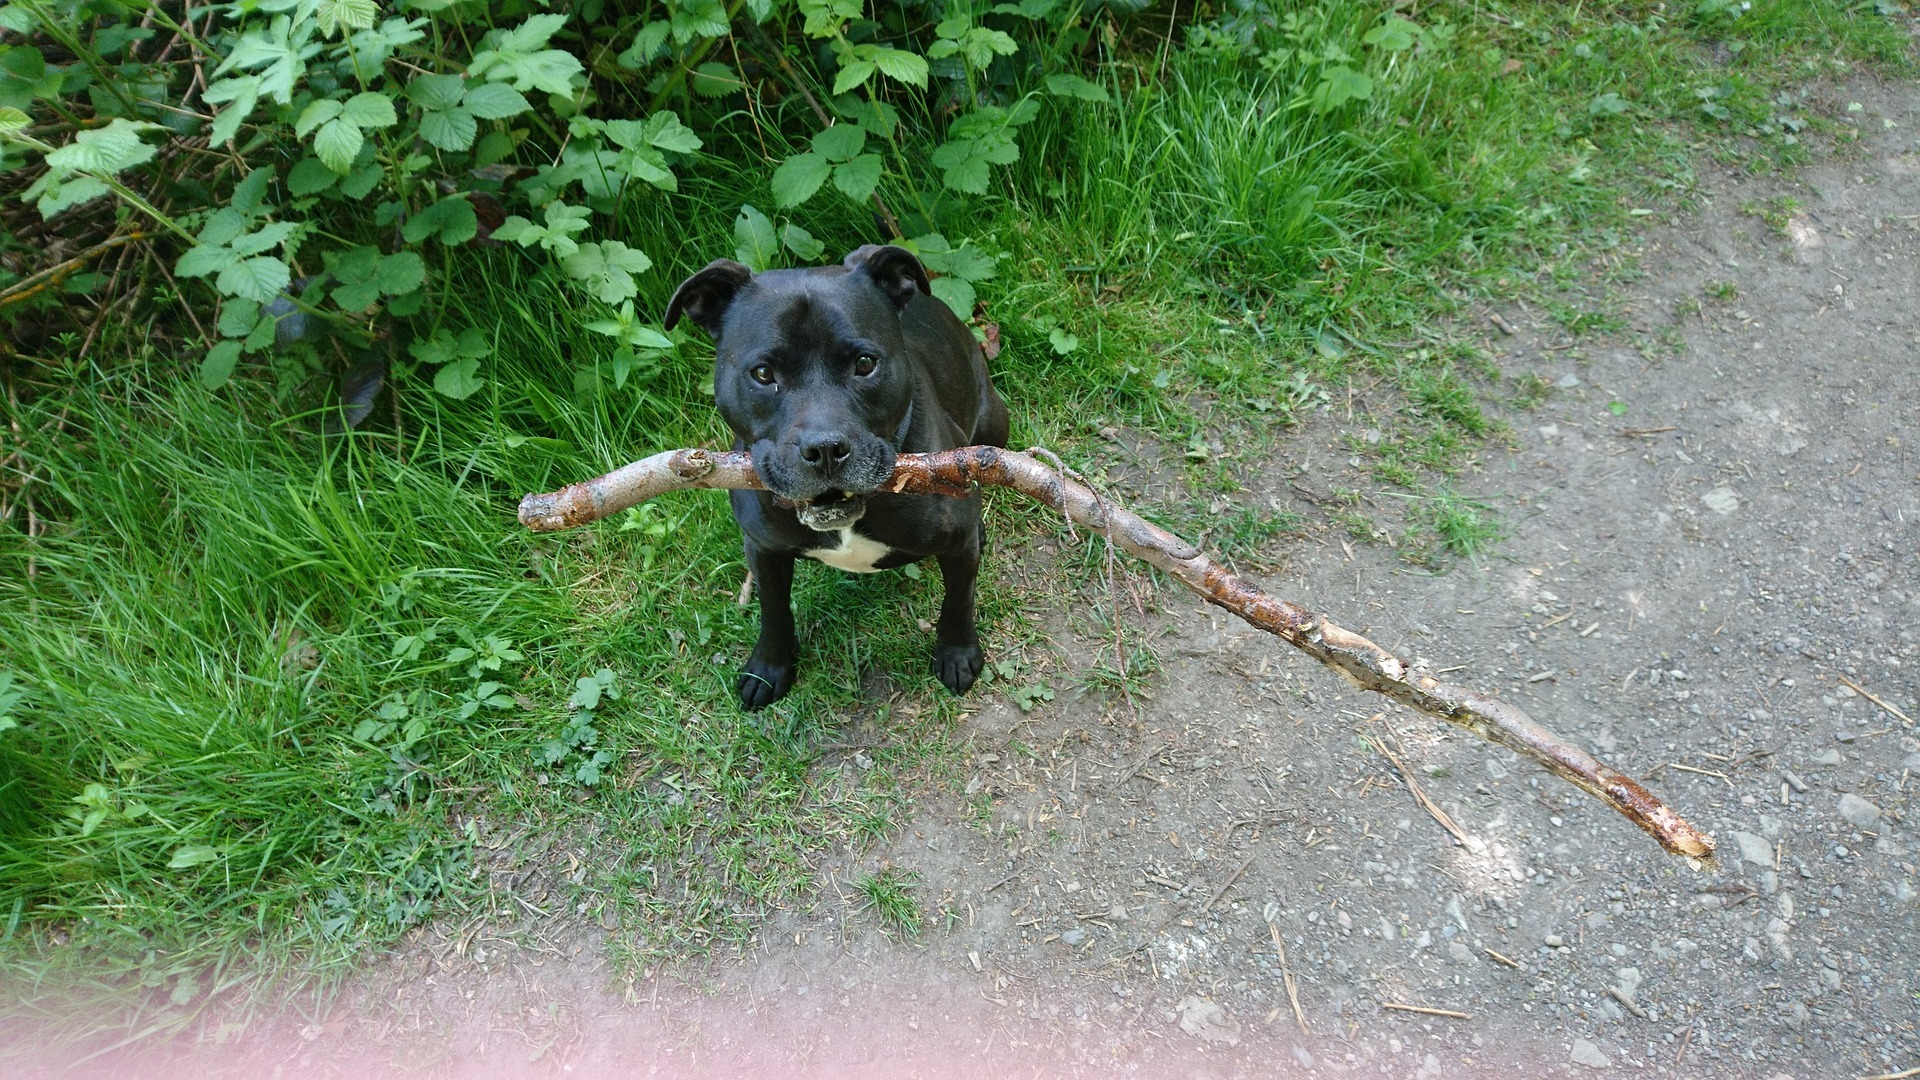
865,366
761,374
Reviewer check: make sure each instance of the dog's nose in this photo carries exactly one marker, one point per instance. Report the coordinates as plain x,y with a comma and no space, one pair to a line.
825,450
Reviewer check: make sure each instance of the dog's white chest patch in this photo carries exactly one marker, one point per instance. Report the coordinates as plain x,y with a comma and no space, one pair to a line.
853,552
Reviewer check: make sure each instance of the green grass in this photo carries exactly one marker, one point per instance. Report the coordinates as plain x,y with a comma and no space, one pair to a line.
887,894
245,756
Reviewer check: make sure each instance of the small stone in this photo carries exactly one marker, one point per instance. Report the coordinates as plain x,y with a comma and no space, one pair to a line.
1074,938
1754,849
1844,736
1553,941
1829,756
1460,953
1586,1053
1207,1021
1304,1056
1629,982
1568,381
1858,812
1721,500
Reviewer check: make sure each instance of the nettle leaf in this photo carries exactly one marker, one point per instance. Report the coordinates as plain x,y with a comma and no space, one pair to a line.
857,178
54,195
451,220
217,366
801,242
518,56
1073,86
840,142
369,110
260,278
338,16
754,240
798,177
12,120
607,269
338,143
495,101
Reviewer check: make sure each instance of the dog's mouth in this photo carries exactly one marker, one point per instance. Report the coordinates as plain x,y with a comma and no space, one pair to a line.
831,511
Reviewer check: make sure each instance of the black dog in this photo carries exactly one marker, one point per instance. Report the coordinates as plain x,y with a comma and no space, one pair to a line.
825,374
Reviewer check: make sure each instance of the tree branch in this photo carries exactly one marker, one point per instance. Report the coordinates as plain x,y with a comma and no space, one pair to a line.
956,472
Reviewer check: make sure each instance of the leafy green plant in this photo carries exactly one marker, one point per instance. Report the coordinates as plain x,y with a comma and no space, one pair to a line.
574,755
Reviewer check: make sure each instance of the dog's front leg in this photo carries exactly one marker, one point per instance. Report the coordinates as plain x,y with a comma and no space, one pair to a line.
957,658
769,672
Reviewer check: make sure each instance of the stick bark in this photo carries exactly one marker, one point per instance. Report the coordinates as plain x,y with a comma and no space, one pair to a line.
1367,665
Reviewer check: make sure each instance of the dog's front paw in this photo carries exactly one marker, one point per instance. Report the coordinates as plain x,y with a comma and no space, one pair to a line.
957,666
762,683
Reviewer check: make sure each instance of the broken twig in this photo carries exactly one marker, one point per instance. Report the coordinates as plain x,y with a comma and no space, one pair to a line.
1424,1011
1367,665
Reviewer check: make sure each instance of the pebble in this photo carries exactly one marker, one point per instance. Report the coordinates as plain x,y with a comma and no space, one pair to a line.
1586,1053
1568,381
1858,812
1207,1021
1721,500
1073,938
1829,756
1553,941
1754,849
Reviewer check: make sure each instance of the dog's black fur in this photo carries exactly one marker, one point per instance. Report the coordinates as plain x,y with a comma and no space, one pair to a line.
825,374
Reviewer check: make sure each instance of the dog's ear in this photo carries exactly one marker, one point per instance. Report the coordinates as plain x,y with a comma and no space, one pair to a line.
897,273
705,296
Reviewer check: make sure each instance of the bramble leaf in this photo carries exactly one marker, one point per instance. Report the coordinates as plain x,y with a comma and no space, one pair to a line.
754,240
798,177
857,178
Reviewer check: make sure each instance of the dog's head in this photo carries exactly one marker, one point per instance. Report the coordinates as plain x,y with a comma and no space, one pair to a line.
812,371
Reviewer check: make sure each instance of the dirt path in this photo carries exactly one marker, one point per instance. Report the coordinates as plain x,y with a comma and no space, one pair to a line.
1684,601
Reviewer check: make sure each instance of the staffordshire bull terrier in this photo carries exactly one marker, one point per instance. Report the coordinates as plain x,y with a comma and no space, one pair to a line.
825,374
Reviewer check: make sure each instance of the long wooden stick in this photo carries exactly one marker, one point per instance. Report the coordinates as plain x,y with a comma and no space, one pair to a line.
956,472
